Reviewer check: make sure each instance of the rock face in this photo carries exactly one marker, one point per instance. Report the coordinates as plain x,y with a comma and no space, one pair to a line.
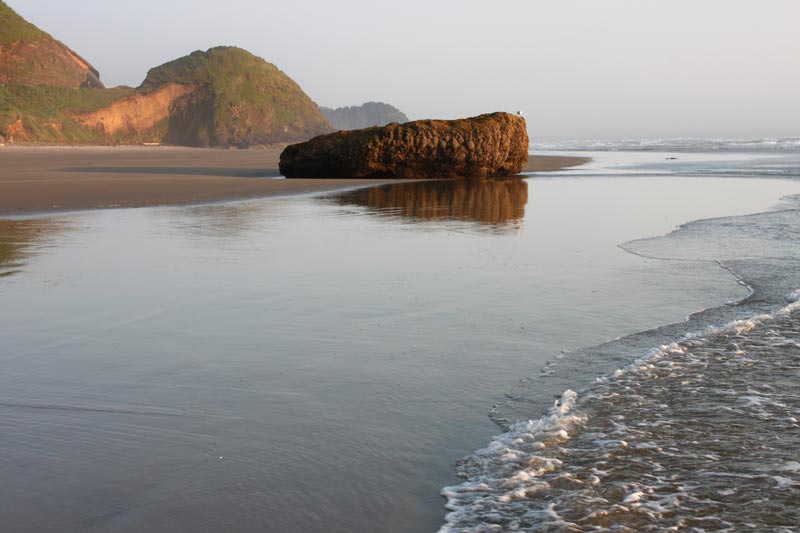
136,113
487,145
223,97
234,99
30,56
363,116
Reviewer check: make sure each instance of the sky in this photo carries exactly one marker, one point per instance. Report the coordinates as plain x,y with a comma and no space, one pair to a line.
578,69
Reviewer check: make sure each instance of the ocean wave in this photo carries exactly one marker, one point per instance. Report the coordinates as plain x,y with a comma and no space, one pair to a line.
686,436
776,144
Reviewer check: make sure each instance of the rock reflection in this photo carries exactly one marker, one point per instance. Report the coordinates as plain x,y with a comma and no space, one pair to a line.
498,204
22,239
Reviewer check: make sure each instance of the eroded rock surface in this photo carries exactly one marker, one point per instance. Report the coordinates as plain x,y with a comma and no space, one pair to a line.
30,56
138,112
494,144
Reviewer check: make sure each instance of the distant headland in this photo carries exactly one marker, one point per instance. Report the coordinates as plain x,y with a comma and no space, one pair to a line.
363,116
222,97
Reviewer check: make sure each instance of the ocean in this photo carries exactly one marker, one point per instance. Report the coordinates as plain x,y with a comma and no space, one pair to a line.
611,347
698,432
751,146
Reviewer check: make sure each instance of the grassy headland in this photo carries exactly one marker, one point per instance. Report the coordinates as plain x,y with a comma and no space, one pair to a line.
225,96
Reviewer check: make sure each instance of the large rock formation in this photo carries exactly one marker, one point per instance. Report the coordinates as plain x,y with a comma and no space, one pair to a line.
225,97
363,116
487,145
136,113
30,56
236,99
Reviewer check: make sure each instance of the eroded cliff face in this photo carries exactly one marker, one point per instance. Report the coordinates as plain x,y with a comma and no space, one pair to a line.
15,132
250,101
138,113
45,62
191,119
223,97
494,144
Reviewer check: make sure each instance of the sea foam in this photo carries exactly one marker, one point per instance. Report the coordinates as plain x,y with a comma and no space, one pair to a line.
775,144
634,448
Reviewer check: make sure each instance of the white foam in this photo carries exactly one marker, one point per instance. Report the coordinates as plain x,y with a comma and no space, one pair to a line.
783,482
633,497
775,144
518,464
507,470
791,466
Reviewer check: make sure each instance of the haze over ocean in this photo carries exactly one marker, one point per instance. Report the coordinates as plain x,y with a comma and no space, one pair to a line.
578,69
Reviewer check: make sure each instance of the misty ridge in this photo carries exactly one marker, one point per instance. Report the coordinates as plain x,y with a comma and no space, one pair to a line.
363,116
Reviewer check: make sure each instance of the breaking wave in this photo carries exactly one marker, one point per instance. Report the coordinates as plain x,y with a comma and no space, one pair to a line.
777,144
700,433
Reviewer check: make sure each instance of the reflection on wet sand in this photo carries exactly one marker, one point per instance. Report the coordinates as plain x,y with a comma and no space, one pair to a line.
21,239
226,221
496,202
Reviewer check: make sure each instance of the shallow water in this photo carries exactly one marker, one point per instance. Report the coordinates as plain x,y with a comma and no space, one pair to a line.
698,434
317,363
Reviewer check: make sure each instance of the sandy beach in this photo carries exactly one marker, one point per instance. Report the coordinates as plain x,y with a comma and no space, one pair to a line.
39,179
323,363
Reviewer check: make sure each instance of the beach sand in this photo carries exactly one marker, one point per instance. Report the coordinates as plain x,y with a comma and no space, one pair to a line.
40,179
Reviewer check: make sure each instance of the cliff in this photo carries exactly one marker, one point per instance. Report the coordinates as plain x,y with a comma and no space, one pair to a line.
363,116
30,56
233,98
487,145
224,97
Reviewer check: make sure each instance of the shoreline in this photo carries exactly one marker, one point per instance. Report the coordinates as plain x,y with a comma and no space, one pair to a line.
59,179
414,473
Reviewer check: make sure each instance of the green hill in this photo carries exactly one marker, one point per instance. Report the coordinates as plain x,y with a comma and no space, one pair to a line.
30,56
14,28
225,96
240,100
42,114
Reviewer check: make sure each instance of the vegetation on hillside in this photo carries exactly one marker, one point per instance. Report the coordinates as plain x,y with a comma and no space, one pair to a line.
225,96
30,56
252,101
14,28
47,112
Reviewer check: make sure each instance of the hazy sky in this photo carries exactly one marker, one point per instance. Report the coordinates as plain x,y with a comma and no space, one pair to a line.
577,68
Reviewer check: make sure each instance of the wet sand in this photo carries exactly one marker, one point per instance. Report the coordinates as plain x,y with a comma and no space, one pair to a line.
39,179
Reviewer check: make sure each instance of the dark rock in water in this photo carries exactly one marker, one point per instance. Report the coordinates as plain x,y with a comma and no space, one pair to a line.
487,145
